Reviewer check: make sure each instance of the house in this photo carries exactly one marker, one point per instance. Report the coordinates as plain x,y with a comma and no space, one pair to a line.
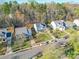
39,27
76,22
61,25
23,32
6,35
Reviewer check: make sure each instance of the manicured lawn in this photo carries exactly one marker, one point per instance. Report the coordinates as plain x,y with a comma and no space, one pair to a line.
2,49
50,52
40,37
25,44
71,31
58,34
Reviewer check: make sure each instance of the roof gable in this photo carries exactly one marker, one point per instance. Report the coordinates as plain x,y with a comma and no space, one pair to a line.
40,26
22,30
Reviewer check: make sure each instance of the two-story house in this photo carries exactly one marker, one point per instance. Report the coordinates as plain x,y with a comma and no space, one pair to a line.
61,25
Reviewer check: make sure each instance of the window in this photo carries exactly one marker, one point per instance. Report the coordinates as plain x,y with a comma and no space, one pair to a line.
8,34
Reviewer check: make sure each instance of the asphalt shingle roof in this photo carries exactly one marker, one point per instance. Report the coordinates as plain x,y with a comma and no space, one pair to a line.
40,26
22,30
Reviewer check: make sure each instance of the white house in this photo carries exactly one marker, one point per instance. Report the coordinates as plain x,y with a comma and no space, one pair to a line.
39,27
76,22
61,25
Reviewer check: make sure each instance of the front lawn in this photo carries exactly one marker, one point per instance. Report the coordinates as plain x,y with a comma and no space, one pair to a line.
20,46
40,37
58,34
3,48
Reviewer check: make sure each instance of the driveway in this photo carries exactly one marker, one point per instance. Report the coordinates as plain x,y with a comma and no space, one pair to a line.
23,55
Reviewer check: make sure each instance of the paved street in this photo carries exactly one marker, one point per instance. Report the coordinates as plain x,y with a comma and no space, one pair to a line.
23,55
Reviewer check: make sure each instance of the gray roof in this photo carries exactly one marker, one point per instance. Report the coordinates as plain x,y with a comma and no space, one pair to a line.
59,22
40,26
23,55
22,30
3,30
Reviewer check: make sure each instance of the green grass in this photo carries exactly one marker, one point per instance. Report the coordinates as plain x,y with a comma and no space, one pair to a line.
71,31
71,50
40,37
50,52
73,42
26,44
2,49
16,47
58,34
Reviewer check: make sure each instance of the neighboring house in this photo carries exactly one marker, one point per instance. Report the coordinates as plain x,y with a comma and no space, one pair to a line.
23,32
39,27
6,35
76,22
61,25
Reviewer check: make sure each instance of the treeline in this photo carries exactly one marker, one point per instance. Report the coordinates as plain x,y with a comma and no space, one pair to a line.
14,14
